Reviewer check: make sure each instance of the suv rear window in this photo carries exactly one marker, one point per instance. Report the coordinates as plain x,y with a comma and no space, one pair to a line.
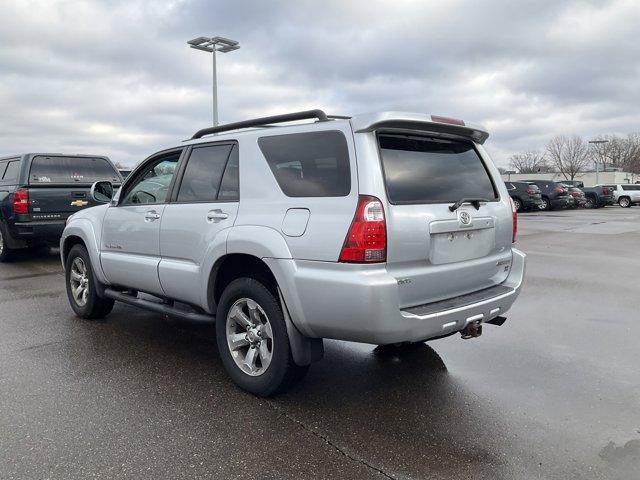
312,164
421,169
71,170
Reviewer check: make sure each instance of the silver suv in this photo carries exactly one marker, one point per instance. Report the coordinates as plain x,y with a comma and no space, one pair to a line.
384,228
626,195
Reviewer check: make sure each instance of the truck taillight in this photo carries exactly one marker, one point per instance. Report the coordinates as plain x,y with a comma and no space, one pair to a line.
558,190
366,241
514,221
21,202
531,191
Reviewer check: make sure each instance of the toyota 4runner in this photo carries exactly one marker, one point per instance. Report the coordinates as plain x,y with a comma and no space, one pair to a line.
384,228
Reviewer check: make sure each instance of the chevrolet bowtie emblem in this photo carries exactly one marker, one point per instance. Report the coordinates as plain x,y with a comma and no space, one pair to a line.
79,203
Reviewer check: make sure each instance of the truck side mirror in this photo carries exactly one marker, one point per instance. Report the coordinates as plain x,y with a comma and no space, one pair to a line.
102,192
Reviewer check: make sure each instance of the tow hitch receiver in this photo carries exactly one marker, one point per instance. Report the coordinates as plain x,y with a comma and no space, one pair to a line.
473,330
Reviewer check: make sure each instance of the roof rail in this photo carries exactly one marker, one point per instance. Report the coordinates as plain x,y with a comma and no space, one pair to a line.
260,122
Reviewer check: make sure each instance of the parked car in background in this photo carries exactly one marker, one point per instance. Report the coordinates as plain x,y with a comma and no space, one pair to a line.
258,228
39,191
579,198
525,196
573,183
124,172
626,195
598,196
553,194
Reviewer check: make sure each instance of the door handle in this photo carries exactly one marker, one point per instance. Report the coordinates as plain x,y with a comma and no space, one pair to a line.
151,215
217,214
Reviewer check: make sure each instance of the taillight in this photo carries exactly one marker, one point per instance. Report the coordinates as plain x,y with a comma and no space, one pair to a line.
21,202
366,241
514,221
558,190
531,191
605,190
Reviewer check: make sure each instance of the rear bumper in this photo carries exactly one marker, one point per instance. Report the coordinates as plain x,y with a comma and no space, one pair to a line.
562,202
38,231
361,305
531,202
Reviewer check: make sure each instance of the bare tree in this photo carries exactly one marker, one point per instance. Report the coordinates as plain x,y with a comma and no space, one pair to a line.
528,162
619,152
570,155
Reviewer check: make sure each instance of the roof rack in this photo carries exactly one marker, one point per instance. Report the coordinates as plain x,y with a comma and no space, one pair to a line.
261,122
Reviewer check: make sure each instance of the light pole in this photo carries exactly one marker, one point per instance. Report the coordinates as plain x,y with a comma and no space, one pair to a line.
213,45
597,142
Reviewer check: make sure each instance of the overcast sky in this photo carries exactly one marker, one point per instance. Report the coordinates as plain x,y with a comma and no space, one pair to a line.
117,78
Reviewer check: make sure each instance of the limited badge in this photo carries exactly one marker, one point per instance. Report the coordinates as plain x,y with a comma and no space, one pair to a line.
79,203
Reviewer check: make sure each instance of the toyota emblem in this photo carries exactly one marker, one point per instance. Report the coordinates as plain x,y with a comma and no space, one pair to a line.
465,218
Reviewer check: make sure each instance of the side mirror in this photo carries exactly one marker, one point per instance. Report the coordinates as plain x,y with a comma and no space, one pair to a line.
102,192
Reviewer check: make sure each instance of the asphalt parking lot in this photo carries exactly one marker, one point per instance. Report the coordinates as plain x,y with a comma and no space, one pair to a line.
554,393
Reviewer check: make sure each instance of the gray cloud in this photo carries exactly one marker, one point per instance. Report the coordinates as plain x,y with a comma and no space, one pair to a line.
115,77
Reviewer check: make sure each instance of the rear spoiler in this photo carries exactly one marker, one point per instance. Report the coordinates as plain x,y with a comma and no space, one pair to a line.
418,121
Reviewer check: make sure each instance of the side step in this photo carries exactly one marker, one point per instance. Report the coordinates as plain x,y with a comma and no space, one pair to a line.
159,307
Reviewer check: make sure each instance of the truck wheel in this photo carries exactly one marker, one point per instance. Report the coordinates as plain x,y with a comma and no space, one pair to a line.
81,286
5,252
252,339
624,202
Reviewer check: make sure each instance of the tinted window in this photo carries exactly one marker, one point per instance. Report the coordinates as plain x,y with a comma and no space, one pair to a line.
631,187
433,170
71,170
314,164
152,186
230,186
203,174
12,171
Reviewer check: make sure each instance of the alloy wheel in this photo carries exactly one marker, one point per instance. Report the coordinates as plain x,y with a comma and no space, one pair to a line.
79,281
249,337
516,204
624,202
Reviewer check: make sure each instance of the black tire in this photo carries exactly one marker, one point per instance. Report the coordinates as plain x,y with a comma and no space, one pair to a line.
546,204
591,202
282,372
94,306
624,202
6,253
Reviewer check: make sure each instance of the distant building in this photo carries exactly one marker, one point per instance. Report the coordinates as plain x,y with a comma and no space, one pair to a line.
589,178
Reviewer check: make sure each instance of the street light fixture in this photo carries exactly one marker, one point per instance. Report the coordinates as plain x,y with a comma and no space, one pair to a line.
213,45
597,142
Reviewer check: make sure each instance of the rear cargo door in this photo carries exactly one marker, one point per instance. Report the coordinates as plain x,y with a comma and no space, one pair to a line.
434,251
59,186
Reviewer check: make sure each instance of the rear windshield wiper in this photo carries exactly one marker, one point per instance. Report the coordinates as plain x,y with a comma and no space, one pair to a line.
473,201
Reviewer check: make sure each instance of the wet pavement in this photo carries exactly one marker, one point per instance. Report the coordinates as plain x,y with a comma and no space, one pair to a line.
554,393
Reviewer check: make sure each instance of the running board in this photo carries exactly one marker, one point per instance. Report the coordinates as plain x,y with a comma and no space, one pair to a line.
158,307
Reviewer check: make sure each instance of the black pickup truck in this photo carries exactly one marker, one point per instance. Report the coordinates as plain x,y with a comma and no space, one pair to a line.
598,196
39,191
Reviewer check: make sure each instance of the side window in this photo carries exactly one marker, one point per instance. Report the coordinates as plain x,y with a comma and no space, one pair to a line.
12,171
312,164
203,175
3,167
230,185
152,186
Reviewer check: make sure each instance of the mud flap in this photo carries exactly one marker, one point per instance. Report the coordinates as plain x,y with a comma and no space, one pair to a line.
304,350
